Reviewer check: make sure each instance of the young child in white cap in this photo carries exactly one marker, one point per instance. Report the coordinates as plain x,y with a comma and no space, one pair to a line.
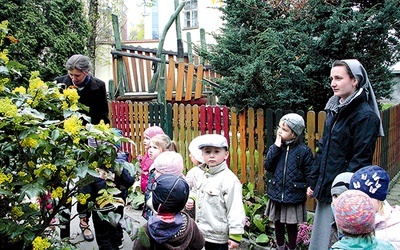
374,181
194,173
290,163
219,206
355,218
170,228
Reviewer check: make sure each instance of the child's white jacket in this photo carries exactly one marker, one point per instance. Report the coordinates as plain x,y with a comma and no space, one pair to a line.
387,224
219,204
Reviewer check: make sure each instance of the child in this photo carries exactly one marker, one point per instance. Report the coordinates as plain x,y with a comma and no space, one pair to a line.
219,207
146,162
374,181
355,218
158,144
170,228
339,185
194,173
290,162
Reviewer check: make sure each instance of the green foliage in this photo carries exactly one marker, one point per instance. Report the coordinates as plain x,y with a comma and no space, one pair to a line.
256,228
45,159
280,56
48,33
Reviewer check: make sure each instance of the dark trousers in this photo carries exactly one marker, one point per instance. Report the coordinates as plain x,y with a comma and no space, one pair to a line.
215,246
108,237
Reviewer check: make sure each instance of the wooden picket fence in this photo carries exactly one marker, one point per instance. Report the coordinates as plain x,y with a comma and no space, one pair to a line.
249,133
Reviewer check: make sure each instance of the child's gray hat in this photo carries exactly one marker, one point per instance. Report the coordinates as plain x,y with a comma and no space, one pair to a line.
213,140
295,122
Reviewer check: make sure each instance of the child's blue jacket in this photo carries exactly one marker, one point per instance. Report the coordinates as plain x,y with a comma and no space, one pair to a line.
291,168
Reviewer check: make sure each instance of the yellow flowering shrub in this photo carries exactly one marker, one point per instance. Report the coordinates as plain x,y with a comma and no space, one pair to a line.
44,157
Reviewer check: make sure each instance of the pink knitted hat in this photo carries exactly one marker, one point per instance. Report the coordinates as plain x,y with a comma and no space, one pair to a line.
153,130
354,213
168,162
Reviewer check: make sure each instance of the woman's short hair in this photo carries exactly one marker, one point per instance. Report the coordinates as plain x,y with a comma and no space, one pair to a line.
79,62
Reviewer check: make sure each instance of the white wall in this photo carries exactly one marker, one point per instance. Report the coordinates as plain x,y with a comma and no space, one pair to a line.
209,20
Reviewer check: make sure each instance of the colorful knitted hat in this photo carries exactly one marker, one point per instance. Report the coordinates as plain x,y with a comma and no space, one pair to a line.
170,194
341,183
354,213
295,122
372,180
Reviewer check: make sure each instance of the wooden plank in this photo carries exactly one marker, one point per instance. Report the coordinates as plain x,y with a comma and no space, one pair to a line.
115,74
128,84
243,146
181,126
269,127
170,80
260,184
175,111
311,130
251,145
149,71
199,83
234,142
210,120
225,127
203,119
179,83
135,77
217,120
142,76
188,136
189,82
195,122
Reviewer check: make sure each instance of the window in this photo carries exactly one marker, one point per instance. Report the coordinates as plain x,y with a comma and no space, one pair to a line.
190,14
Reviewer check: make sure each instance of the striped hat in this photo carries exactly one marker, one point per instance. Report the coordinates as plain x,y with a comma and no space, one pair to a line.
354,213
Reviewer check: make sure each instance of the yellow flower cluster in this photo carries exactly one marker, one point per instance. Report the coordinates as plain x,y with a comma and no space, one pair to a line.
40,244
34,206
37,88
16,212
8,108
20,90
5,178
72,97
29,143
3,56
73,125
41,170
102,126
82,198
57,193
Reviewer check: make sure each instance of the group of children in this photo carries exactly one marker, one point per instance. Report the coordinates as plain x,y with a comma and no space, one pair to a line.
203,209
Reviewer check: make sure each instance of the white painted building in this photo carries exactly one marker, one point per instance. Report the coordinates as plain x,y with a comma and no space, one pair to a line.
196,15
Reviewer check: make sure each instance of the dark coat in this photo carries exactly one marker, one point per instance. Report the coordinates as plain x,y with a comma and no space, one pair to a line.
347,144
290,166
94,96
122,181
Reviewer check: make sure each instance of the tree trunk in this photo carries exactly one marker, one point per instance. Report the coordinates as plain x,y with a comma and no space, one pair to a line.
93,19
